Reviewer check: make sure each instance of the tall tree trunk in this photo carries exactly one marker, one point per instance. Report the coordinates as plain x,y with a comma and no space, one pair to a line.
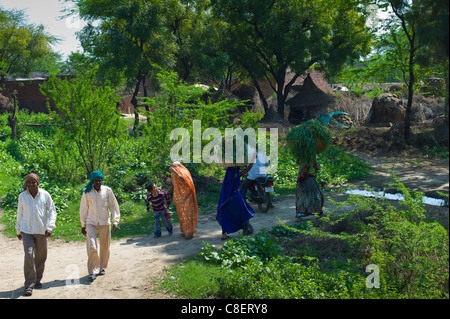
409,103
145,95
269,113
412,50
12,122
446,105
135,104
411,80
261,95
12,118
281,96
229,78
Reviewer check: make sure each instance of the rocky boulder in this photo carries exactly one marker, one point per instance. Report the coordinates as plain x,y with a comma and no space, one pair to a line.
5,104
386,108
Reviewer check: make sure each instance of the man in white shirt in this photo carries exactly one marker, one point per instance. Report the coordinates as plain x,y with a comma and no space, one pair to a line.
97,205
257,168
36,217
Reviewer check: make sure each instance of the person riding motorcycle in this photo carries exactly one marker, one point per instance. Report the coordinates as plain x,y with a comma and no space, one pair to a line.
256,168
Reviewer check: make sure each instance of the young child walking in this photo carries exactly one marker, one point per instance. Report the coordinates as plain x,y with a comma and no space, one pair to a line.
160,203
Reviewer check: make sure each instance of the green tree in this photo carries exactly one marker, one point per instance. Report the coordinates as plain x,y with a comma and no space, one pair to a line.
389,59
272,37
407,14
176,105
433,30
23,48
22,44
49,64
185,21
78,64
88,113
407,20
199,54
433,35
128,38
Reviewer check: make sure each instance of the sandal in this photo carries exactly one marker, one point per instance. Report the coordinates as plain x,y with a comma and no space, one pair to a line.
225,236
28,291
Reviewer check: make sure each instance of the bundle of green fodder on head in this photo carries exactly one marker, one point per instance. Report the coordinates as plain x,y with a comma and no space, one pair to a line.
308,139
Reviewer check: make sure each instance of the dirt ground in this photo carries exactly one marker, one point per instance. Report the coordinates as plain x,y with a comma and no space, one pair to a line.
137,264
419,174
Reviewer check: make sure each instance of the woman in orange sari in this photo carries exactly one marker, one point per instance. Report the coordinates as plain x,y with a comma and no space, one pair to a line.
184,199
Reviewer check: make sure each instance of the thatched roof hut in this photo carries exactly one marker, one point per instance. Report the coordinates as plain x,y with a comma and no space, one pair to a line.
309,102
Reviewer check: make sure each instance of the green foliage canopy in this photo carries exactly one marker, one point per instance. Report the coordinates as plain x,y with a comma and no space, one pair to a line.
22,45
89,114
269,38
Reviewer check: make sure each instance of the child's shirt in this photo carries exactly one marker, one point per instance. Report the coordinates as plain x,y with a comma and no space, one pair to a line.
157,201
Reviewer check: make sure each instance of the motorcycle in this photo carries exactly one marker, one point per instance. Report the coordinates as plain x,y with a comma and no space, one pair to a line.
260,192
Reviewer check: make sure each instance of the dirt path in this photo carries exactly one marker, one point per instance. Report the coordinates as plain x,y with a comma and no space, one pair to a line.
135,262
132,263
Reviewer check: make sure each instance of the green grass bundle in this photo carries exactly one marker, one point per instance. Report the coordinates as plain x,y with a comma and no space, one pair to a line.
308,139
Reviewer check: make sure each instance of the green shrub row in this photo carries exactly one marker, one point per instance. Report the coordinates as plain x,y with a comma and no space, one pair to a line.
329,258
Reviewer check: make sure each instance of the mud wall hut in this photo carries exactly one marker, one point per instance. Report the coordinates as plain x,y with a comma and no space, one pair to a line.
307,102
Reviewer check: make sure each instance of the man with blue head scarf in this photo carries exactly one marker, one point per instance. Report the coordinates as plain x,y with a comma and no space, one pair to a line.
93,176
98,204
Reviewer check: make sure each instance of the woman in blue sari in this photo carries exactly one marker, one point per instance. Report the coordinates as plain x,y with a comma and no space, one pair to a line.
233,212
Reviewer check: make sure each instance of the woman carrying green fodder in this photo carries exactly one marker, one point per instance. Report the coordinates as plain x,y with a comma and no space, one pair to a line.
305,141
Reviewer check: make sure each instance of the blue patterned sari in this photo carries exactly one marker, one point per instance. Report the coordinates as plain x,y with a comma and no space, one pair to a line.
233,212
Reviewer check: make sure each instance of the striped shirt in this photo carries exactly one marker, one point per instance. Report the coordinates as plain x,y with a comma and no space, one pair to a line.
157,201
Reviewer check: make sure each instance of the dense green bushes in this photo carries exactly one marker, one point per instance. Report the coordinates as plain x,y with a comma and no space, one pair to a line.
280,278
412,253
255,267
328,258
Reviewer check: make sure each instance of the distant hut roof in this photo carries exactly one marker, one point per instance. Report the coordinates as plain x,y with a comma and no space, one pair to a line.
309,95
